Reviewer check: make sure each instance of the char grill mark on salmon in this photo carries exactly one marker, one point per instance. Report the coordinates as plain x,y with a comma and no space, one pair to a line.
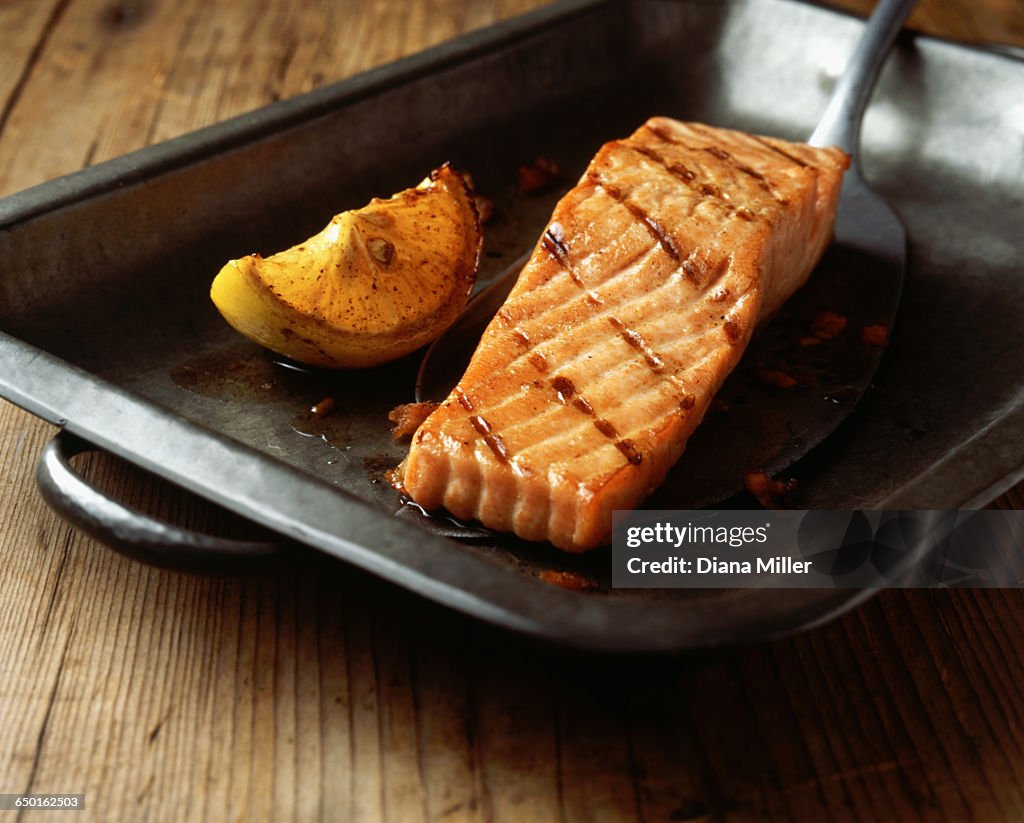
668,244
638,301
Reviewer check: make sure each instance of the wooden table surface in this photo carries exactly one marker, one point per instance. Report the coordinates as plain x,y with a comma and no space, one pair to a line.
317,692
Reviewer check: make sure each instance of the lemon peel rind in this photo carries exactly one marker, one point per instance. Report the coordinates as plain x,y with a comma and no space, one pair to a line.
257,310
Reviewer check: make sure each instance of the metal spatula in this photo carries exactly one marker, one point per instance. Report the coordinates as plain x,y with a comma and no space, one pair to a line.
756,425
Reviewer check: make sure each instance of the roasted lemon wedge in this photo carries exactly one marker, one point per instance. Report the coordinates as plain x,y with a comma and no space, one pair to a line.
375,284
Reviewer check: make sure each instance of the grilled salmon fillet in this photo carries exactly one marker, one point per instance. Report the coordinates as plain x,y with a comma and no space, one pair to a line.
636,304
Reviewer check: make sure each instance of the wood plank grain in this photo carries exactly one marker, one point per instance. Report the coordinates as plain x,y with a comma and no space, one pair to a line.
27,28
310,691
117,75
981,21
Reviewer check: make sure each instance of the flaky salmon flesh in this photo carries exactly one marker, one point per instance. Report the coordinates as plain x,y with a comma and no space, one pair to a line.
636,304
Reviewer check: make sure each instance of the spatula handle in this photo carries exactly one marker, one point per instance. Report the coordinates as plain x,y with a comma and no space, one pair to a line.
840,125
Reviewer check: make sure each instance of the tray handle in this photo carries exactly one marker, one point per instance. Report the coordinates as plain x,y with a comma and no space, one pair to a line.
132,532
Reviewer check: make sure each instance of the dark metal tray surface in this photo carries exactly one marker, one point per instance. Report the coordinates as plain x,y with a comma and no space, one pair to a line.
107,327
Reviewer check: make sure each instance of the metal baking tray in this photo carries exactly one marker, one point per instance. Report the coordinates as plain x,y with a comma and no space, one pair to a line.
107,328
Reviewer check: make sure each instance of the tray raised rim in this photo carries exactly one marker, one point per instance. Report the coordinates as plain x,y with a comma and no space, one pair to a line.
40,383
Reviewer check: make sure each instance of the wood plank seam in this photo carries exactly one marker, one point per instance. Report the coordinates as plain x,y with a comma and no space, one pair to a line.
31,62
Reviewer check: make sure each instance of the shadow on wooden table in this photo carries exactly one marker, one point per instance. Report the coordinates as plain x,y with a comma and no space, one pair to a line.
874,717
312,689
